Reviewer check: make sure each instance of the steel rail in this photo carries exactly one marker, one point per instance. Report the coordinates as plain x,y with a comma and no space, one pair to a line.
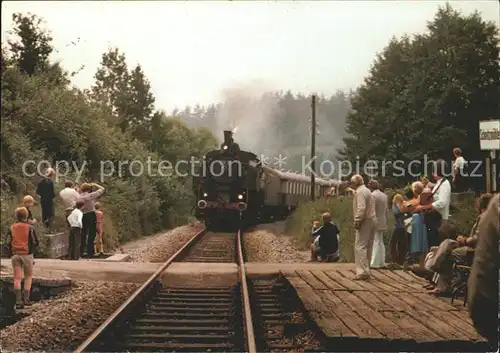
113,317
247,312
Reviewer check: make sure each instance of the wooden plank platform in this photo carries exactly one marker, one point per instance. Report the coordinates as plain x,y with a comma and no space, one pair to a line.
390,311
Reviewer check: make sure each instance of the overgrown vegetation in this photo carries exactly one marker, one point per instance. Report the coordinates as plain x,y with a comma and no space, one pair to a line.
463,215
426,95
45,118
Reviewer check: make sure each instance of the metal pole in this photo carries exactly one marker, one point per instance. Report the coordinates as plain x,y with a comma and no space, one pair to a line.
313,146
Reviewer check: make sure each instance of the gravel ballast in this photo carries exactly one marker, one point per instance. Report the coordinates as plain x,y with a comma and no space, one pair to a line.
159,247
267,243
66,321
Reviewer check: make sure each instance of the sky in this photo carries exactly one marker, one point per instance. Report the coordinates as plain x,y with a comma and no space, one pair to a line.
194,51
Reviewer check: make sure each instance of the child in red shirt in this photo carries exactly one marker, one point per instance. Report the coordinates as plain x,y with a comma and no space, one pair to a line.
22,242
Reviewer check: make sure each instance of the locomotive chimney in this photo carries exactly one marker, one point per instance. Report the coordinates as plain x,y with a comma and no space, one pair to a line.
229,144
228,137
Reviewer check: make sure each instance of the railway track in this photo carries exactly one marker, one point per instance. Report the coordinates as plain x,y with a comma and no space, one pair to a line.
183,318
209,319
212,248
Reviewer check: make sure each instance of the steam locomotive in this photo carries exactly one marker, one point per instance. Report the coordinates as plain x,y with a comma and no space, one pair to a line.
235,189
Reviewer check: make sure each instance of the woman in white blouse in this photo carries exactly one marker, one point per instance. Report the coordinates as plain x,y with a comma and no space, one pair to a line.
459,172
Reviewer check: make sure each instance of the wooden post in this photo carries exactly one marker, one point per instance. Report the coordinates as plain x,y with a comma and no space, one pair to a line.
313,146
487,172
493,171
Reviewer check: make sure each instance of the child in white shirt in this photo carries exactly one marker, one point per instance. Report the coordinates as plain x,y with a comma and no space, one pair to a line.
75,231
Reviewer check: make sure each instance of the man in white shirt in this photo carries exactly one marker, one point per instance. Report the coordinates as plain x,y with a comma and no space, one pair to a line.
69,195
381,203
439,211
75,221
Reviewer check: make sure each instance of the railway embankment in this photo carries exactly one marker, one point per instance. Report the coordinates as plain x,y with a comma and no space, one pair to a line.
60,324
159,247
268,243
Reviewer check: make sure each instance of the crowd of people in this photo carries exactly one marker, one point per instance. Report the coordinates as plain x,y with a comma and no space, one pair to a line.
420,221
84,222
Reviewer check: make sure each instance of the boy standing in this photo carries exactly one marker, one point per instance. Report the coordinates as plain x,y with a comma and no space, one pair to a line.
22,241
75,223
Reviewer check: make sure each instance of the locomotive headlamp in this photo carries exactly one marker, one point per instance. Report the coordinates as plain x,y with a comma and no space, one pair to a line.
225,147
240,197
205,194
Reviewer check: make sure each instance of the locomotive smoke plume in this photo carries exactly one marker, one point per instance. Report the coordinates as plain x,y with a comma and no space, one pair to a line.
249,117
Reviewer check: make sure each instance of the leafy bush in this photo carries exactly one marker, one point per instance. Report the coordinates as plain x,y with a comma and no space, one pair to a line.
463,215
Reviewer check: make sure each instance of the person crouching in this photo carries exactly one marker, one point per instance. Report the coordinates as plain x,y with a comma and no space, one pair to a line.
22,241
75,231
327,243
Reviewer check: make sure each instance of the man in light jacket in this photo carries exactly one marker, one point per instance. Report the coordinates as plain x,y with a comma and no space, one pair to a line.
365,224
381,203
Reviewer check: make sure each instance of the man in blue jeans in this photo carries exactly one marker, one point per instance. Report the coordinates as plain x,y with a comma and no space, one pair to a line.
326,245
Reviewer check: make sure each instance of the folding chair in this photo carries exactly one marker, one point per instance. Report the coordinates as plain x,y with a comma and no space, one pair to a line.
461,273
460,284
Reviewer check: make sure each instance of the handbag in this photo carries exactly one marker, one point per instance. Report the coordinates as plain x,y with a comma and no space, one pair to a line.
407,223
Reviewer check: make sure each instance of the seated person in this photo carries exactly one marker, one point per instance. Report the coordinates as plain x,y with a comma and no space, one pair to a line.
450,251
327,242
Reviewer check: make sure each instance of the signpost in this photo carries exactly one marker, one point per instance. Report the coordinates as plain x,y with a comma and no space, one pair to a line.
489,137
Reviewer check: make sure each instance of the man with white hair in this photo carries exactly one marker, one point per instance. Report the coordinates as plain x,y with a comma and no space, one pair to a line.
45,189
365,224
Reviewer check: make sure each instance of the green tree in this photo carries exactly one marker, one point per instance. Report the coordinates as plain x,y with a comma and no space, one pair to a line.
463,76
427,95
33,46
374,126
44,118
111,85
141,105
